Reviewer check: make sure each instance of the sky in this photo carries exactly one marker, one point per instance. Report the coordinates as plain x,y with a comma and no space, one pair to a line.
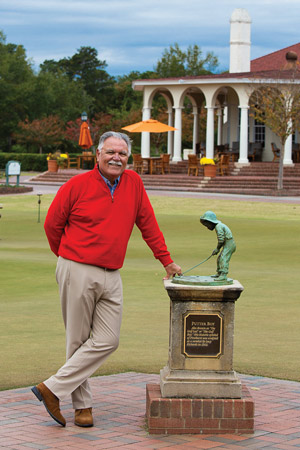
131,35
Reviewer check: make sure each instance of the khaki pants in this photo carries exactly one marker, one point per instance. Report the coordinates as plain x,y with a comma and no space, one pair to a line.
91,301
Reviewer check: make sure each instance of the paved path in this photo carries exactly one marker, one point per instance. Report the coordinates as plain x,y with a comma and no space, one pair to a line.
53,188
119,415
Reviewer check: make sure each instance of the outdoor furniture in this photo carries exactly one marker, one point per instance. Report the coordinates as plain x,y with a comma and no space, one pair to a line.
138,163
235,150
220,150
193,165
151,160
166,162
296,152
200,150
255,151
71,162
85,157
276,151
223,164
157,166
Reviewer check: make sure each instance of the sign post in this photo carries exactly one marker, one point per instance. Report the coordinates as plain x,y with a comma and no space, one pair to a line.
13,168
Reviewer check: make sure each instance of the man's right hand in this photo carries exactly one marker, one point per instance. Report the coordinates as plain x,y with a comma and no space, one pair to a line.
172,270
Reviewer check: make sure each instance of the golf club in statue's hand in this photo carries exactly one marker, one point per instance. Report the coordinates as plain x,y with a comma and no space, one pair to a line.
206,259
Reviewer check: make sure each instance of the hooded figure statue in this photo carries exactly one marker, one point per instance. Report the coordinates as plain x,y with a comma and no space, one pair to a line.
225,242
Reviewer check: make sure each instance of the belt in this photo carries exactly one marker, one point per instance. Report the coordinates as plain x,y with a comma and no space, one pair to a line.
106,268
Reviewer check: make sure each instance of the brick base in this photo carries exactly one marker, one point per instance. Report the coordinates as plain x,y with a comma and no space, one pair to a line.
197,415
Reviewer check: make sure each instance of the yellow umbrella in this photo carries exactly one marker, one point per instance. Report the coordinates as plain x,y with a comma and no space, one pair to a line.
151,126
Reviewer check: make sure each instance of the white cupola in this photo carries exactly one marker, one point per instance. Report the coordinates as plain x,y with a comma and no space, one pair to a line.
240,28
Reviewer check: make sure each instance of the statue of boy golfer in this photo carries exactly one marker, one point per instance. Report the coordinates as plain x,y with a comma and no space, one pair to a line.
225,242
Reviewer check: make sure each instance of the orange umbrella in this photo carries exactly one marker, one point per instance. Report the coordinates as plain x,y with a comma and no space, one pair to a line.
85,140
151,126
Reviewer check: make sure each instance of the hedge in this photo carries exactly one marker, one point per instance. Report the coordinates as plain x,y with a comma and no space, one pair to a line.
29,161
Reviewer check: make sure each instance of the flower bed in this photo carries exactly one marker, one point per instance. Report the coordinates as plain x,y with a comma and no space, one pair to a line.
14,189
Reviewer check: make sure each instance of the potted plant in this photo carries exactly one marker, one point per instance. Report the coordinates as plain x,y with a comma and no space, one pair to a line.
210,168
56,160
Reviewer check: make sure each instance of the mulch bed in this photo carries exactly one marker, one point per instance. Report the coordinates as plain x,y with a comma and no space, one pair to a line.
14,189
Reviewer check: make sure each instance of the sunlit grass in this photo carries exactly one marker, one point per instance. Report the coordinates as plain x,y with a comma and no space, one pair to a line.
266,263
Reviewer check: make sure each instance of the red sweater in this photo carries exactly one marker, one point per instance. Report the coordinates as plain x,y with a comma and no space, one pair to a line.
85,224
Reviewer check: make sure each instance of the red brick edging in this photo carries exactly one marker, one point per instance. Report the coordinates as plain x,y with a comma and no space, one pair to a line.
198,416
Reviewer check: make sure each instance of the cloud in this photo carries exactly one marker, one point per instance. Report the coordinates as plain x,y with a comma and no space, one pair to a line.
132,35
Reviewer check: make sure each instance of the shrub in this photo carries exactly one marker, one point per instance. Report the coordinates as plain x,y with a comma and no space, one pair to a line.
29,161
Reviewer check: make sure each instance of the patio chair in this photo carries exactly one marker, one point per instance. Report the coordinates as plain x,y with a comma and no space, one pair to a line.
166,162
158,165
255,151
220,149
276,151
138,163
193,165
71,162
296,152
223,165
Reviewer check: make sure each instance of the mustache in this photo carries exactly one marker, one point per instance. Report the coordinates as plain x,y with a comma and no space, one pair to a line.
115,163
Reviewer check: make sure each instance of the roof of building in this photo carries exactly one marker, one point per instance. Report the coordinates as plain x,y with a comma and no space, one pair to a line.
272,66
275,60
257,75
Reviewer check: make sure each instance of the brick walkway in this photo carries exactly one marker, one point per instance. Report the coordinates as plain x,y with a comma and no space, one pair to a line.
119,415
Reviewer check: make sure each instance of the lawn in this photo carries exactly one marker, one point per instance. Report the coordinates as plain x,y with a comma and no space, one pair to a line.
266,263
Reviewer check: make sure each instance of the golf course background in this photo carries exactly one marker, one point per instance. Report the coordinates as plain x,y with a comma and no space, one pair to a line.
266,263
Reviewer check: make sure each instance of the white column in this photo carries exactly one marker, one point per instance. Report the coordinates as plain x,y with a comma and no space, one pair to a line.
145,140
287,156
177,135
195,128
220,126
170,133
244,135
210,132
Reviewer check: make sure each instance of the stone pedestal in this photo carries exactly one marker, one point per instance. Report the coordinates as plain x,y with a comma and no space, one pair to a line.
199,391
201,342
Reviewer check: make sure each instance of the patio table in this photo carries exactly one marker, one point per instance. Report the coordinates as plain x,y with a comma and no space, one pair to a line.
150,161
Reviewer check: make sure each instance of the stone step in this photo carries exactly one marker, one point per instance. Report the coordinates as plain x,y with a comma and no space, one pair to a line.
255,178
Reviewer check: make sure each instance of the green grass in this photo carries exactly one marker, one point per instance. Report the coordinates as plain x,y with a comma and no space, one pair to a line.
266,262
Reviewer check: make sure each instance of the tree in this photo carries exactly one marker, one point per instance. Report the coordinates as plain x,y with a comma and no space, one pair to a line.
72,131
124,94
16,77
55,94
45,132
84,67
278,107
178,63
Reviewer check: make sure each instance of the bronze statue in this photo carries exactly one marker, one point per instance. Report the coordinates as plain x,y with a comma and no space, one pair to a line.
225,242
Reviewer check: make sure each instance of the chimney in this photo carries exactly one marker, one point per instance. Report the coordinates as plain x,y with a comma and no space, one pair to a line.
291,61
240,28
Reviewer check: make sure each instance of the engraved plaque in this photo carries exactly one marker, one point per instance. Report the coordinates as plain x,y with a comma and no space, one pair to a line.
203,335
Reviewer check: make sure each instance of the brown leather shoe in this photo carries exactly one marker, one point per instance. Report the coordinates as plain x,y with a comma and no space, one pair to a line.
50,401
84,417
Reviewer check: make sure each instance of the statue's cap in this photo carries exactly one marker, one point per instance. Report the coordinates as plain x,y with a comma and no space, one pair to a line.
210,216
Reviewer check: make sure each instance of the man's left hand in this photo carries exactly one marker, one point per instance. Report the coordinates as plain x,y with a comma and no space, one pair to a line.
172,269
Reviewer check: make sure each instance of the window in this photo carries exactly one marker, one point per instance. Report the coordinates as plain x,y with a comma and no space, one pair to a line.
259,132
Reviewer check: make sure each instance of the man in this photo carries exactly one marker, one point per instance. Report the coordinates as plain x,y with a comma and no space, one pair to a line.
88,226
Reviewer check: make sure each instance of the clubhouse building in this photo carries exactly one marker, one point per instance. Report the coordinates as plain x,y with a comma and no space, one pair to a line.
226,99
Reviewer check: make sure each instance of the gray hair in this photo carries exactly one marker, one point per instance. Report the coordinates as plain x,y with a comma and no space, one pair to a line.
116,135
